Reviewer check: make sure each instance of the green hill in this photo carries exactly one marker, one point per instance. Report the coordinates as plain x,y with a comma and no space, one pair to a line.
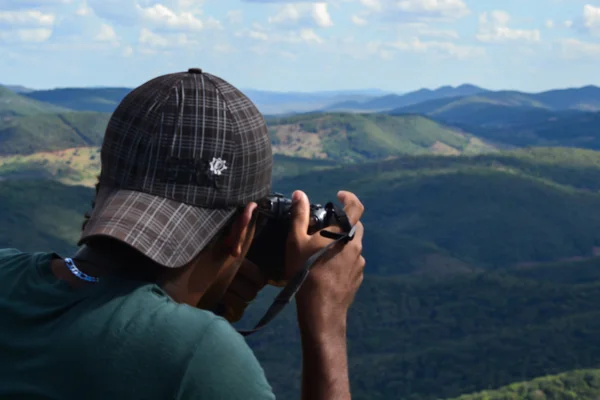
465,288
484,211
28,126
51,132
347,137
12,104
580,385
569,129
440,338
433,214
41,215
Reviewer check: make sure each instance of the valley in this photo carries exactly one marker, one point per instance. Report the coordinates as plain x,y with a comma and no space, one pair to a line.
482,229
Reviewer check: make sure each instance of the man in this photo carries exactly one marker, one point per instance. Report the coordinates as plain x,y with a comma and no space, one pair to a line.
185,158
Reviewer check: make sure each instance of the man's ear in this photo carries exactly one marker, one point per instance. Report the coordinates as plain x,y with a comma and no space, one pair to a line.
240,229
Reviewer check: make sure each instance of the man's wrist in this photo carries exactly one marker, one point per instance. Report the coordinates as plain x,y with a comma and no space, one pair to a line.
318,322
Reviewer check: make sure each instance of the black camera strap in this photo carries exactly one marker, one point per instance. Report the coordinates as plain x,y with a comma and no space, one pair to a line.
288,293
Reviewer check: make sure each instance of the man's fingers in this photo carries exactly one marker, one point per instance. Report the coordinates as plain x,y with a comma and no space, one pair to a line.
300,214
352,206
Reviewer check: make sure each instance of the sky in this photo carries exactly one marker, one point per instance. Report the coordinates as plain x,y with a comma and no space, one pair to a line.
278,45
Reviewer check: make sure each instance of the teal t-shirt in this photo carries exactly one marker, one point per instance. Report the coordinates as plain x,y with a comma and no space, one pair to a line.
118,339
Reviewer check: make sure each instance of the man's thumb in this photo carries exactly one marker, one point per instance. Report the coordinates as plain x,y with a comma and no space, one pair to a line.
300,214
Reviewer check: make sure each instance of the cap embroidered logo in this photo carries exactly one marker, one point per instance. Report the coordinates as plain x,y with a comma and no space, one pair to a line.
217,166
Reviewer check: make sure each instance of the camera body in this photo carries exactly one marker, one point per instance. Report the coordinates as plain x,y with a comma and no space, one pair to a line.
268,248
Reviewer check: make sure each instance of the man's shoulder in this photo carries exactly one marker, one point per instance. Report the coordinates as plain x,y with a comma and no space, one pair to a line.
214,359
14,260
227,366
8,252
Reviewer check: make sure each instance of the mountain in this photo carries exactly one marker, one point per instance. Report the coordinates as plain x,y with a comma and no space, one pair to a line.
64,146
431,339
12,104
566,128
274,103
106,99
506,107
18,88
103,100
28,126
393,101
347,137
463,289
431,214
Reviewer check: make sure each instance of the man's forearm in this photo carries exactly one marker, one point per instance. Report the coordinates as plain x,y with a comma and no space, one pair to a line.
325,362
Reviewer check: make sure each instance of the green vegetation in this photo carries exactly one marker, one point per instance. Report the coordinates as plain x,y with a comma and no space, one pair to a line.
441,313
12,104
440,338
41,215
358,137
483,266
50,132
574,385
484,211
28,126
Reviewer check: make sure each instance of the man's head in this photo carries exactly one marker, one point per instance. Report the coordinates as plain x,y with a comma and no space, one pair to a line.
184,158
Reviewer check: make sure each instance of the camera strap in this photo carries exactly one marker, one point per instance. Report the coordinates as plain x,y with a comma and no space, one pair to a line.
288,293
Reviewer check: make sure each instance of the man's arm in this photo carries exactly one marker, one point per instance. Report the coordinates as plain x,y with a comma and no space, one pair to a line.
324,299
324,359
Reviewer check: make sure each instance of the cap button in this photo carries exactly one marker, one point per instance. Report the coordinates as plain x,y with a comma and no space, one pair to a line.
195,71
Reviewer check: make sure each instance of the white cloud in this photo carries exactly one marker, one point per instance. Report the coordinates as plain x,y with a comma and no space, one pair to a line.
549,24
358,20
152,39
127,51
308,35
591,18
494,28
163,17
374,5
28,17
224,48
255,34
321,15
106,34
235,17
449,48
437,33
258,33
22,4
84,10
573,49
26,35
303,13
443,8
568,23
402,10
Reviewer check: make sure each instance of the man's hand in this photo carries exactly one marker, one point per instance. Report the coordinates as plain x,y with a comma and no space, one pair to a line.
336,277
242,291
323,301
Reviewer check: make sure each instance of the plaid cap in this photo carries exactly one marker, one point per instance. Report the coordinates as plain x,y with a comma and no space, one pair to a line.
181,153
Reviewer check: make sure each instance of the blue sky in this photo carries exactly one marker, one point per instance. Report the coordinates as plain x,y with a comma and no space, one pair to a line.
395,45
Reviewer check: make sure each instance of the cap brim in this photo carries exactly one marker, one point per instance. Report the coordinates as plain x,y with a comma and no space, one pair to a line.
168,232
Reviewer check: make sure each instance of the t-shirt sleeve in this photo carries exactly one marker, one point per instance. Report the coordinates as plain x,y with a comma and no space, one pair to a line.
5,253
224,367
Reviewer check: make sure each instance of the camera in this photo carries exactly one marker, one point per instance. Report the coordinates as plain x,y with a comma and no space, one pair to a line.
268,248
